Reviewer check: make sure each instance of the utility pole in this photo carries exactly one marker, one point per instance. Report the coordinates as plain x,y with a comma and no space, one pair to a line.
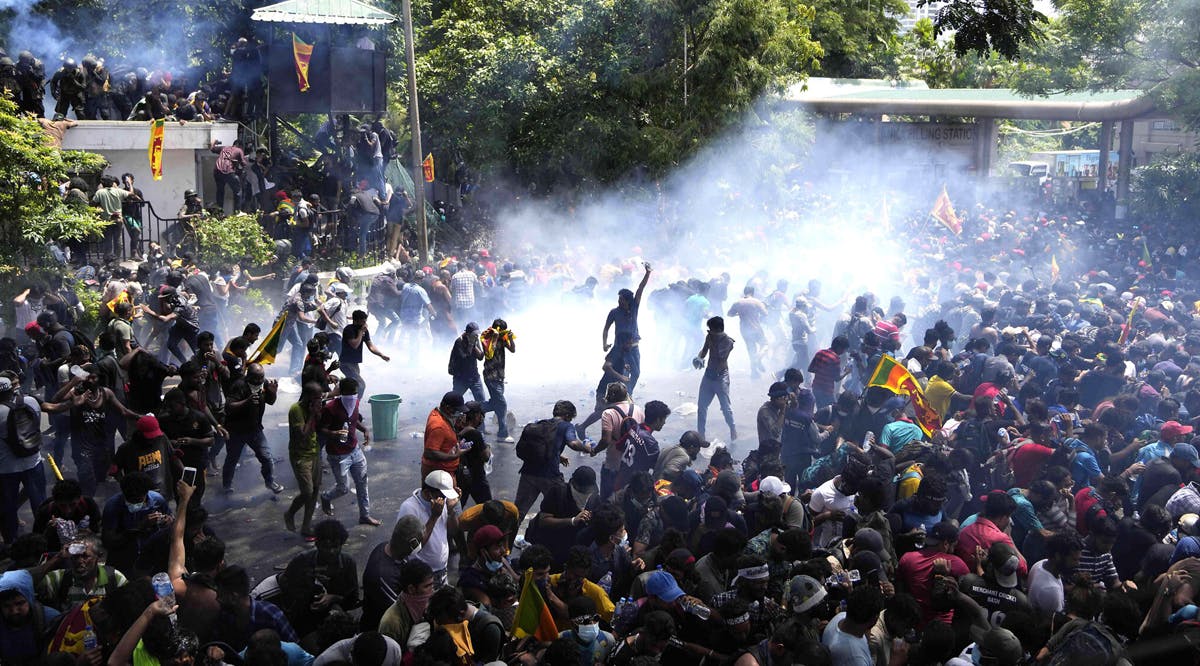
414,117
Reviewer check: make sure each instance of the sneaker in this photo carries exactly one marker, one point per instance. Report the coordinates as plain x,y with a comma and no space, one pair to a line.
507,439
367,448
326,506
368,520
227,490
275,487
289,521
309,537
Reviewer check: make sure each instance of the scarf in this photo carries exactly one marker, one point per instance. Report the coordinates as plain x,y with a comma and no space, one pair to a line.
493,338
416,604
462,642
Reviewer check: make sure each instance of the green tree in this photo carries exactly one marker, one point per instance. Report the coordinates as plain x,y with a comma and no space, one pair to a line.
923,56
983,26
859,39
31,211
1167,190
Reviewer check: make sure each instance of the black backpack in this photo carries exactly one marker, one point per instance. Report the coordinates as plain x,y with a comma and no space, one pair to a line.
23,428
536,444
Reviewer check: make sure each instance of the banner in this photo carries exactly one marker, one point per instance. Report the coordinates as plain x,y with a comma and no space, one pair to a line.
943,211
427,167
893,376
302,53
157,132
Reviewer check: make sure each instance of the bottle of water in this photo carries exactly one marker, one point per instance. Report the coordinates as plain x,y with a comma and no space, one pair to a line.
90,642
606,582
696,608
487,467
164,591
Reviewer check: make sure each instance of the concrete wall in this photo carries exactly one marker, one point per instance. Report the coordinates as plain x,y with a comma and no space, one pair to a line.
186,158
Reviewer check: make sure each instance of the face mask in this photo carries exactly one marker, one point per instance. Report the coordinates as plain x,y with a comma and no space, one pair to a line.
588,632
349,402
493,565
624,542
134,508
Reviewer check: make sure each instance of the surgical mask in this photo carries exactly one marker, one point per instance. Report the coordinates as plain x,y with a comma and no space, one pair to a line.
493,565
624,542
588,632
134,508
349,402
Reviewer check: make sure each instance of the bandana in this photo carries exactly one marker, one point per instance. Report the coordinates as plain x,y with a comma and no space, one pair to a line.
416,604
462,641
349,402
744,617
753,573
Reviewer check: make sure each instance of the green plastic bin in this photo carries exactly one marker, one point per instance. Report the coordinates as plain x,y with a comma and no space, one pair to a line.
385,416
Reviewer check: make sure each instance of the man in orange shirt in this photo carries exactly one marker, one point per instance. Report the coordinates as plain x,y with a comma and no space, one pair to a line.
441,439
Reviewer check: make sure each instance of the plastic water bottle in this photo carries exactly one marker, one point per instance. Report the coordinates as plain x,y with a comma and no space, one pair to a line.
698,609
487,467
90,642
606,582
163,590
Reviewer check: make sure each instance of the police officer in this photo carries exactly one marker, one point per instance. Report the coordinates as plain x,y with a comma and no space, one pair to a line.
9,88
67,86
31,77
96,90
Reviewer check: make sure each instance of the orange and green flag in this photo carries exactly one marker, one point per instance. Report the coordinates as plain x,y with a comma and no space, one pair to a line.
302,52
893,376
427,168
1054,271
1146,254
155,149
265,354
943,211
533,615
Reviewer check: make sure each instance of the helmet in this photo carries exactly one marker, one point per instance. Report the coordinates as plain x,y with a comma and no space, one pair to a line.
7,62
25,56
188,194
69,63
89,61
344,274
340,288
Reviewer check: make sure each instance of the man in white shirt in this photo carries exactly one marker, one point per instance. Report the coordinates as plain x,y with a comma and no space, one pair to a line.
846,633
830,503
434,505
1045,577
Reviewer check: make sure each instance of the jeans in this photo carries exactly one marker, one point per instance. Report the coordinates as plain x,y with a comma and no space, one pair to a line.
354,464
62,431
497,404
91,459
232,180
352,371
823,398
308,478
608,479
297,336
755,345
178,333
257,442
34,482
210,320
794,467
633,362
474,384
711,387
301,242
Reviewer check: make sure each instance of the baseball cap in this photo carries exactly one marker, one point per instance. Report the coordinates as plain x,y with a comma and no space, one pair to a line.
147,425
441,480
868,539
583,478
6,385
689,478
1186,452
1004,563
407,535
773,485
942,532
662,585
868,564
1187,523
32,326
805,592
1174,429
486,536
1001,646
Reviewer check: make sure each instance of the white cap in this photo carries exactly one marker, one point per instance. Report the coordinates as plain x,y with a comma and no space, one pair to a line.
773,485
442,480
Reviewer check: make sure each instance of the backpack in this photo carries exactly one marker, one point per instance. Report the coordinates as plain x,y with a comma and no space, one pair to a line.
536,444
1091,643
970,436
24,428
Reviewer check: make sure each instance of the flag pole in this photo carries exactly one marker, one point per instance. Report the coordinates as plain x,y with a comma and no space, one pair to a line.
414,117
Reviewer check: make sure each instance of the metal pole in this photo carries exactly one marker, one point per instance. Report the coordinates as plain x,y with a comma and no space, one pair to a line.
685,60
414,117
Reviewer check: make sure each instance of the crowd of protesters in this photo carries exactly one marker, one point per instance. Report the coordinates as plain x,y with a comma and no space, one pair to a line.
1051,515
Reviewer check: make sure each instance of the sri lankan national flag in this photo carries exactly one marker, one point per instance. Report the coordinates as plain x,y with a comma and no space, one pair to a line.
155,149
302,53
265,354
943,211
533,615
427,168
893,376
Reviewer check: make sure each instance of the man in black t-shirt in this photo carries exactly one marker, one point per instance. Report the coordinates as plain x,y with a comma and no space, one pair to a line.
247,401
146,375
190,433
996,590
472,473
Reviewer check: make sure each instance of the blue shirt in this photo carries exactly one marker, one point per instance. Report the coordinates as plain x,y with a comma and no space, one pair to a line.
564,432
1084,466
1146,454
624,323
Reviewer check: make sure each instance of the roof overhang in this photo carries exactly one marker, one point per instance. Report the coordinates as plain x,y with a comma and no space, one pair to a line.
829,97
334,12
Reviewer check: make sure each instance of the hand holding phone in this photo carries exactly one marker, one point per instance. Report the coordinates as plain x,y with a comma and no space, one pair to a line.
189,476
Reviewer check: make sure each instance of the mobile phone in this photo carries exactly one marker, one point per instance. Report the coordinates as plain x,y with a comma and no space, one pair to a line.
189,475
855,576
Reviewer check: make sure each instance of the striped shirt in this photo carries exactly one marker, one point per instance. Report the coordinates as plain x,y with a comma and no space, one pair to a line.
1099,568
826,369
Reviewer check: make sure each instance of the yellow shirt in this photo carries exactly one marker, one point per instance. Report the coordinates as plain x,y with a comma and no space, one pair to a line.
938,393
604,605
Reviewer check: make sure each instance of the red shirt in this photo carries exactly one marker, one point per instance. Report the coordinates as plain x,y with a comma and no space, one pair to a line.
1027,461
984,533
916,571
